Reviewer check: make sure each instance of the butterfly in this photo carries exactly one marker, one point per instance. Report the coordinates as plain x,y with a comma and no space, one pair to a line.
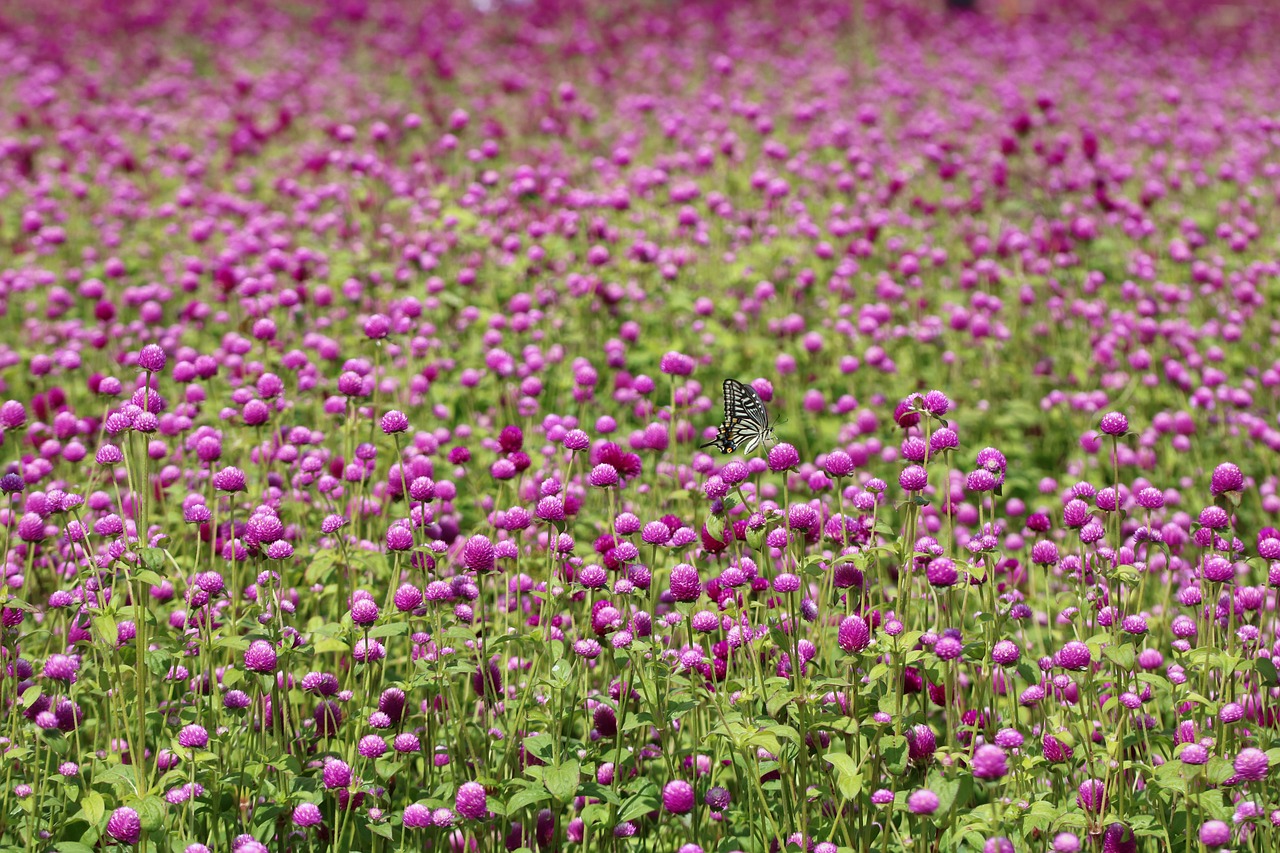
746,423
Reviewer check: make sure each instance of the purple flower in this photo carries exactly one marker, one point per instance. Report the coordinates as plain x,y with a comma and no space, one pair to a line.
685,584
923,802
1118,838
336,774
125,826
394,422
989,762
193,736
260,656
1251,765
783,457
677,797
854,635
1226,478
416,816
306,815
471,801
1092,795
1215,833
1074,655
913,478
478,555
676,364
1114,424
229,479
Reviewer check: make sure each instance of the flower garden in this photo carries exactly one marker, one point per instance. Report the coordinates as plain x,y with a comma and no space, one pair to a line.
363,405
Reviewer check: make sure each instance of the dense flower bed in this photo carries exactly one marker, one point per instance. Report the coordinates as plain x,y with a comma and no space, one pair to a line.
363,367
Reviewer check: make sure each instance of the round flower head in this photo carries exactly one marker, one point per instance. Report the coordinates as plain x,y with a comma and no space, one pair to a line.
471,801
1251,765
1005,653
151,358
685,584
923,802
125,826
1114,424
478,555
1215,833
1118,838
229,479
193,736
394,422
989,762
416,816
913,478
307,815
1066,842
260,656
677,796
998,845
854,634
676,364
1091,795
1074,655
783,457
1226,478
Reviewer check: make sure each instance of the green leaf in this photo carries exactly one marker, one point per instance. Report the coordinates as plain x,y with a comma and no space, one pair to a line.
1218,770
151,813
1267,669
72,847
30,695
894,749
152,558
1121,656
94,807
715,527
105,625
382,829
848,779
391,629
562,780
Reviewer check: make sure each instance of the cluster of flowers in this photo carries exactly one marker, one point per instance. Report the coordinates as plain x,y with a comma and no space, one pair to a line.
359,367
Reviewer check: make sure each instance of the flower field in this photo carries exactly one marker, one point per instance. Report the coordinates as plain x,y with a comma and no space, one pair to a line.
371,480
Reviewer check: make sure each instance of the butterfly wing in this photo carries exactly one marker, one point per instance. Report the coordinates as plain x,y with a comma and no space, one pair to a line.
745,416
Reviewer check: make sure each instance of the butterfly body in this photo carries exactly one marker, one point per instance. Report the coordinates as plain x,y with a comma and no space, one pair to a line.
746,422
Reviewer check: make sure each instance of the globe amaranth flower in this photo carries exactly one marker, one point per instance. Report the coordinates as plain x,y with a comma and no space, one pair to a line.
783,457
1092,795
854,634
151,358
229,479
306,815
989,762
125,826
394,422
193,736
478,554
677,797
1251,765
260,656
416,816
1226,478
1215,833
336,774
471,801
1114,424
923,802
1074,655
913,478
685,584
1118,838
676,364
